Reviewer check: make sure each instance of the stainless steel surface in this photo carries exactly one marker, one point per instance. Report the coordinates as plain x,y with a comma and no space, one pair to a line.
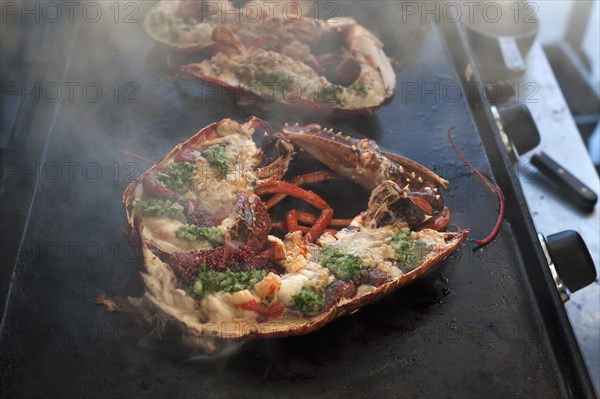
561,140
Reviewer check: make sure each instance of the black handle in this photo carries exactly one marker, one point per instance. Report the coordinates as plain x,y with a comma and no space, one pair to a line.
570,187
572,259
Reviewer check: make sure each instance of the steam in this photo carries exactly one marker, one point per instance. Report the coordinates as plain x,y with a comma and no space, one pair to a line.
118,93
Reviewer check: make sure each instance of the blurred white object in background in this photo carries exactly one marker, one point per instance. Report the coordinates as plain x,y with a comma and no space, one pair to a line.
594,146
553,16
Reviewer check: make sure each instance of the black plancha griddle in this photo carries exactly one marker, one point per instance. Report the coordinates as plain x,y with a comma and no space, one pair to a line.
485,323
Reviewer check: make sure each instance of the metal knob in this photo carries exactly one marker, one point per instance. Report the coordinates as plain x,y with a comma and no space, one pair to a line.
517,129
520,126
569,260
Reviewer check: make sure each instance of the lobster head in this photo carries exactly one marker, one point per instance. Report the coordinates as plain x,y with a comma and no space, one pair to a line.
417,198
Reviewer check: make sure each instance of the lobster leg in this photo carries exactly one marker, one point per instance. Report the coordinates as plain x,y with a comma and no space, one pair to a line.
310,219
319,227
291,221
279,226
304,229
280,187
314,177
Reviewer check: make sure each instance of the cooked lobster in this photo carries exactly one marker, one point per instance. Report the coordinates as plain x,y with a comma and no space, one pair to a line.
213,265
322,66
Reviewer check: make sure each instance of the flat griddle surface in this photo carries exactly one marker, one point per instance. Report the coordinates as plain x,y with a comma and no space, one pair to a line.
469,328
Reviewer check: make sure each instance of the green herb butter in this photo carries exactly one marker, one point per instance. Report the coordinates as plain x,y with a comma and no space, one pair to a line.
191,232
308,301
342,264
159,208
211,281
217,159
328,94
359,88
409,252
179,177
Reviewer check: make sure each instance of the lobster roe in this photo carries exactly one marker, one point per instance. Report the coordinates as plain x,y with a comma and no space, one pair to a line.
188,265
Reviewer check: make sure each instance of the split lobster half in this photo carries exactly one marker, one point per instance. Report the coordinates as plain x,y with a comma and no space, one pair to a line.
336,66
212,263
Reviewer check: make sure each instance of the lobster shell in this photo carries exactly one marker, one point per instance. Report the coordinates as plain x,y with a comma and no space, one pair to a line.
363,61
210,336
171,7
300,104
